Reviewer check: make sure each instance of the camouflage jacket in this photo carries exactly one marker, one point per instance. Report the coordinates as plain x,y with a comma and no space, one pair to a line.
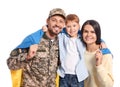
40,71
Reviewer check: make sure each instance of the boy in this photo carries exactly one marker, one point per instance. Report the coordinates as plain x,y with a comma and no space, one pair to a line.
72,70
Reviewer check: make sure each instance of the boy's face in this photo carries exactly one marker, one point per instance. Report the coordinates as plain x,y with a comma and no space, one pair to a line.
72,28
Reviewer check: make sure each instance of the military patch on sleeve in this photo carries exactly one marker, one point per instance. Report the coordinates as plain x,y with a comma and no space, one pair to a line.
15,52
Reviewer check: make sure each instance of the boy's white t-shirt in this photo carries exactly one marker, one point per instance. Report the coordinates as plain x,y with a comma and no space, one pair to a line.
72,56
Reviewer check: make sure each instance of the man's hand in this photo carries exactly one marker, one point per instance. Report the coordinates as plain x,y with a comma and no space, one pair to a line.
103,45
32,51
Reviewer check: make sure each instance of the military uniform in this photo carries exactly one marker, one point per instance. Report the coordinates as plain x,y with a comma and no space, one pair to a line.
40,71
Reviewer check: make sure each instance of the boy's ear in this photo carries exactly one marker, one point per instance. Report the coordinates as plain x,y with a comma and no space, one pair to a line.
79,26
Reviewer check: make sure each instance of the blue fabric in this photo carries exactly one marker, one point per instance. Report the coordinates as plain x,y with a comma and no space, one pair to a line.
35,38
106,51
31,39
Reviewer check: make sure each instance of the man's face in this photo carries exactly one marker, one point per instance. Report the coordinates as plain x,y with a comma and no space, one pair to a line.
55,24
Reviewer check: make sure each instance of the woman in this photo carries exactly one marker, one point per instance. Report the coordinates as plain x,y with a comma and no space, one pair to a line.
99,65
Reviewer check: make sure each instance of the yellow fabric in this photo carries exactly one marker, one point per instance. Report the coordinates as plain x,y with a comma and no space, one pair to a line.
57,81
16,78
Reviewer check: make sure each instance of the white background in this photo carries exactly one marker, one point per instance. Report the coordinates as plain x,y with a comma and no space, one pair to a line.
18,18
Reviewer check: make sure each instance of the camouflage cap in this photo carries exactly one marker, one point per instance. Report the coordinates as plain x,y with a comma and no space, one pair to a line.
57,11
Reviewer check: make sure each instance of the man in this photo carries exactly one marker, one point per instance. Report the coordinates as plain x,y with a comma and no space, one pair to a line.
39,67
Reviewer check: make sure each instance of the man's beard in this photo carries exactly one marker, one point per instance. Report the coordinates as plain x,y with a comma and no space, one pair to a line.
53,33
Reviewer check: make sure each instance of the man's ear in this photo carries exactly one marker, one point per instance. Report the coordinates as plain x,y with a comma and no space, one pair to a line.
47,20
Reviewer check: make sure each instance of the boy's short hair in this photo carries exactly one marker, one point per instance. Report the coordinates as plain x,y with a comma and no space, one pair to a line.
72,17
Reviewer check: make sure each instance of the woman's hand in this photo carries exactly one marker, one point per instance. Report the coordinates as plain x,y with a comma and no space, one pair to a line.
98,57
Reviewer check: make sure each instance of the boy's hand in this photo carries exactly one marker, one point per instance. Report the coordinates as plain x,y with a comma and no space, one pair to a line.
44,28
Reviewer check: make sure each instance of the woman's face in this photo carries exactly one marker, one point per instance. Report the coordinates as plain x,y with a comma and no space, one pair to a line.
89,35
